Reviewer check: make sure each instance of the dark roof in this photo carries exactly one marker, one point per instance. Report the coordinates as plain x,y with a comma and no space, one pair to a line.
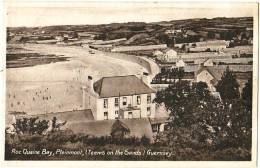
121,85
69,116
138,127
119,125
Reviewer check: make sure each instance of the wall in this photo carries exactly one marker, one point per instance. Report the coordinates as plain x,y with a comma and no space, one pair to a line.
144,63
206,77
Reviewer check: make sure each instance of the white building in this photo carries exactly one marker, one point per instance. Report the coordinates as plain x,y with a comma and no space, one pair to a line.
209,75
59,38
180,63
171,55
170,31
121,97
208,63
157,53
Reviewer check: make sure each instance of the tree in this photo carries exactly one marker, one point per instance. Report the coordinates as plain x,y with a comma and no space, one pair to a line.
181,99
228,86
57,125
173,74
192,112
247,92
199,119
180,73
30,126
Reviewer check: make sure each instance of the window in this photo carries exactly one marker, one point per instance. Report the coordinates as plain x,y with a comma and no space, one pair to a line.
116,114
105,115
148,98
105,103
124,101
148,111
116,102
138,100
130,114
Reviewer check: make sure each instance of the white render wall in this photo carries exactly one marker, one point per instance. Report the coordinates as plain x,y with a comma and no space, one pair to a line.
130,100
206,77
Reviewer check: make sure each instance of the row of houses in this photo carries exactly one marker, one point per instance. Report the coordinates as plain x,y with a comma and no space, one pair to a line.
214,45
207,72
226,54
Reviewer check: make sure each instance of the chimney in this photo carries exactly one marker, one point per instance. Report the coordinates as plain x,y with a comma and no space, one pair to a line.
87,89
90,83
146,79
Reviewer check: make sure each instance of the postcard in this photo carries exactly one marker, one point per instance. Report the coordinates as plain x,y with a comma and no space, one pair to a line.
165,84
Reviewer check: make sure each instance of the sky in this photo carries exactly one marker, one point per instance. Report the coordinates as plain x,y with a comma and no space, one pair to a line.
31,15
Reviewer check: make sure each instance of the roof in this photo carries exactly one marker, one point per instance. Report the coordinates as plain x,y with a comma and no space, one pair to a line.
138,127
159,120
215,72
119,125
121,86
212,43
69,116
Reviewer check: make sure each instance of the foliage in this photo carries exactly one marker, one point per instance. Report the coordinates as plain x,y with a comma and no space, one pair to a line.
85,142
200,120
33,125
166,39
247,92
169,75
56,126
30,125
228,86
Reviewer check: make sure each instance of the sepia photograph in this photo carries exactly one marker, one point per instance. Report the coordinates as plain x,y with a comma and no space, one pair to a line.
129,81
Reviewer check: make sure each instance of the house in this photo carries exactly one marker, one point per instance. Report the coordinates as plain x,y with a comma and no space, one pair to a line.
209,75
86,35
122,97
157,53
119,130
171,55
59,38
208,62
192,36
180,63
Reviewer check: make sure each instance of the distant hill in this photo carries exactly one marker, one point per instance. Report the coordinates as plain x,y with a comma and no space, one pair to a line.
141,32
